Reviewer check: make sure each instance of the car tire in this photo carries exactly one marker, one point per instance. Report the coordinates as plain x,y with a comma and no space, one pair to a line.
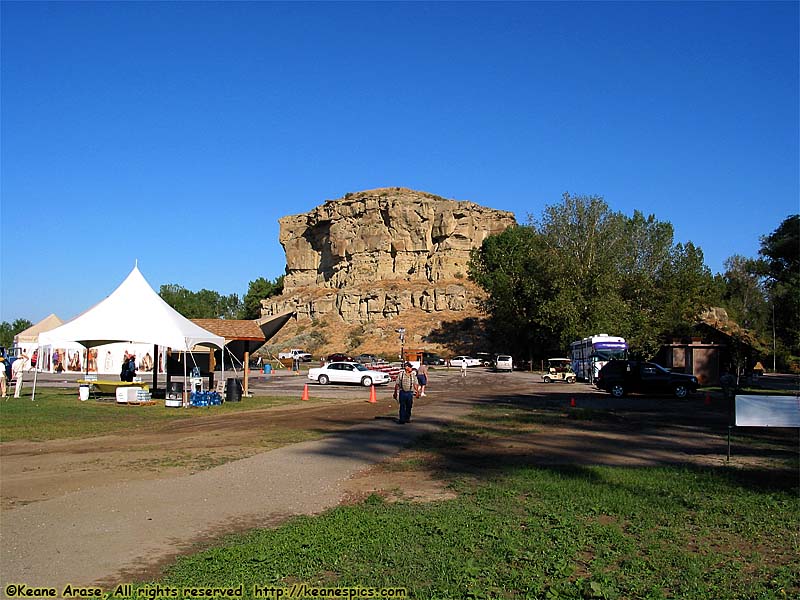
366,381
323,380
546,379
617,390
570,380
681,391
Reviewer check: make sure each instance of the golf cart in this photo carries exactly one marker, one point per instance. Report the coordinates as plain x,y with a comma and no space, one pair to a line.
558,369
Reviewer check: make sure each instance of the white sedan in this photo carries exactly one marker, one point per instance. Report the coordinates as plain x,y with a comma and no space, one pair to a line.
457,361
347,372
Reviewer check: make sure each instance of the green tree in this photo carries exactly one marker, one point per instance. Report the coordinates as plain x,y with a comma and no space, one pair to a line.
643,257
584,269
781,252
9,330
205,304
258,290
583,237
745,295
513,268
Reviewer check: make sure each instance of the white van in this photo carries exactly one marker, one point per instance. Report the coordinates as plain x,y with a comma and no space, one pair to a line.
503,362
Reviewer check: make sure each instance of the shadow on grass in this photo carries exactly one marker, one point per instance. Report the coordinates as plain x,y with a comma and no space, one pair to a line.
507,432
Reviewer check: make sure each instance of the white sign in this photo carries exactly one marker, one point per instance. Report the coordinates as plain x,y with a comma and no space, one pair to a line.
768,411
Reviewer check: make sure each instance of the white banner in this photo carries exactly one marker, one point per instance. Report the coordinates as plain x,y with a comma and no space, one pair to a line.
768,411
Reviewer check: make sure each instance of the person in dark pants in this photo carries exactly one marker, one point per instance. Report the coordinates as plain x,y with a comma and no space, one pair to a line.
404,389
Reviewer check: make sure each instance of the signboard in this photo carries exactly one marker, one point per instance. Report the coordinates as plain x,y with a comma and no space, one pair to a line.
768,411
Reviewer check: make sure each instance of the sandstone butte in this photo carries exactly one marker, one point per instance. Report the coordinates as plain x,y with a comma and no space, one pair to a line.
362,266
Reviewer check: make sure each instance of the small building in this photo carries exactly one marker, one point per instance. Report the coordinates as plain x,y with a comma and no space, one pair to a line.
716,344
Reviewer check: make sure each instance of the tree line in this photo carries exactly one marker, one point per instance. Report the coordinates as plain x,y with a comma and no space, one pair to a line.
582,268
208,304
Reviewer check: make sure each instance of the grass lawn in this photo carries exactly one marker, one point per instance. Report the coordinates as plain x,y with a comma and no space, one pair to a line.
594,532
58,413
536,532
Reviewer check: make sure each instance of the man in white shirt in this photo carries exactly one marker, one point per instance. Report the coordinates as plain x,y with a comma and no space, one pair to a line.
17,369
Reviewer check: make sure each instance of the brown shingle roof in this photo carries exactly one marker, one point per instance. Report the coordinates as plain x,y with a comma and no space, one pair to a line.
231,329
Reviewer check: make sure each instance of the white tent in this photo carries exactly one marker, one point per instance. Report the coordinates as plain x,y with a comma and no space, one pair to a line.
133,313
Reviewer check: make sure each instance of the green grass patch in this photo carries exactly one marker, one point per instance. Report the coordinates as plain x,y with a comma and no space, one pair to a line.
58,413
589,532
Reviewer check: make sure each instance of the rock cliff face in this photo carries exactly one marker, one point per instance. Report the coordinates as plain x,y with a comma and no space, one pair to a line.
375,254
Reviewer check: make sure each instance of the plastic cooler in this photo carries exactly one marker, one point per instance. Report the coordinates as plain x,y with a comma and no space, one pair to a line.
127,394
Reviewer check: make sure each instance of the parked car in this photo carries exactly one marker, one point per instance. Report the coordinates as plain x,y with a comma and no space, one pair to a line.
429,358
347,372
297,353
366,359
338,357
503,362
457,361
487,359
620,377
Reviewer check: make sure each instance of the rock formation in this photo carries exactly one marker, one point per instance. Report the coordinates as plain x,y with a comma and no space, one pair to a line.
373,255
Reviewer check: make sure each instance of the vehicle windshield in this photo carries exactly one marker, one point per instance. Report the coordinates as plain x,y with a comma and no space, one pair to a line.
361,367
610,354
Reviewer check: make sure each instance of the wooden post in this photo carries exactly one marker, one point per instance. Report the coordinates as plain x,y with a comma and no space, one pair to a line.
212,365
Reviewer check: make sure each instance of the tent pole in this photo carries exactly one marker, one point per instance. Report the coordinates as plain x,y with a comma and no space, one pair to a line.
185,391
155,366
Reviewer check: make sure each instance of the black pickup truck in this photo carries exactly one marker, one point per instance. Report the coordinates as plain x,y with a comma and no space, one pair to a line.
620,377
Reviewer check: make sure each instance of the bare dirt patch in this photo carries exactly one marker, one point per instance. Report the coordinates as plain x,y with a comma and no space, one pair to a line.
34,471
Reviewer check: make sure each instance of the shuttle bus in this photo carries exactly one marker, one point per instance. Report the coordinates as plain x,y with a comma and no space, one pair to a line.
590,354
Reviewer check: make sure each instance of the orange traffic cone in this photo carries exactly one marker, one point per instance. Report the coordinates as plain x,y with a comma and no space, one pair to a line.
572,402
708,399
305,393
372,398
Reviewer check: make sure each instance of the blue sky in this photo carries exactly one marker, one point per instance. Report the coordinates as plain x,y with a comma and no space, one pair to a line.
178,133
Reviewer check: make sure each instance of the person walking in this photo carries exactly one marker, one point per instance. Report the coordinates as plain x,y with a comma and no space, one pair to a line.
422,379
463,367
3,381
404,388
17,370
